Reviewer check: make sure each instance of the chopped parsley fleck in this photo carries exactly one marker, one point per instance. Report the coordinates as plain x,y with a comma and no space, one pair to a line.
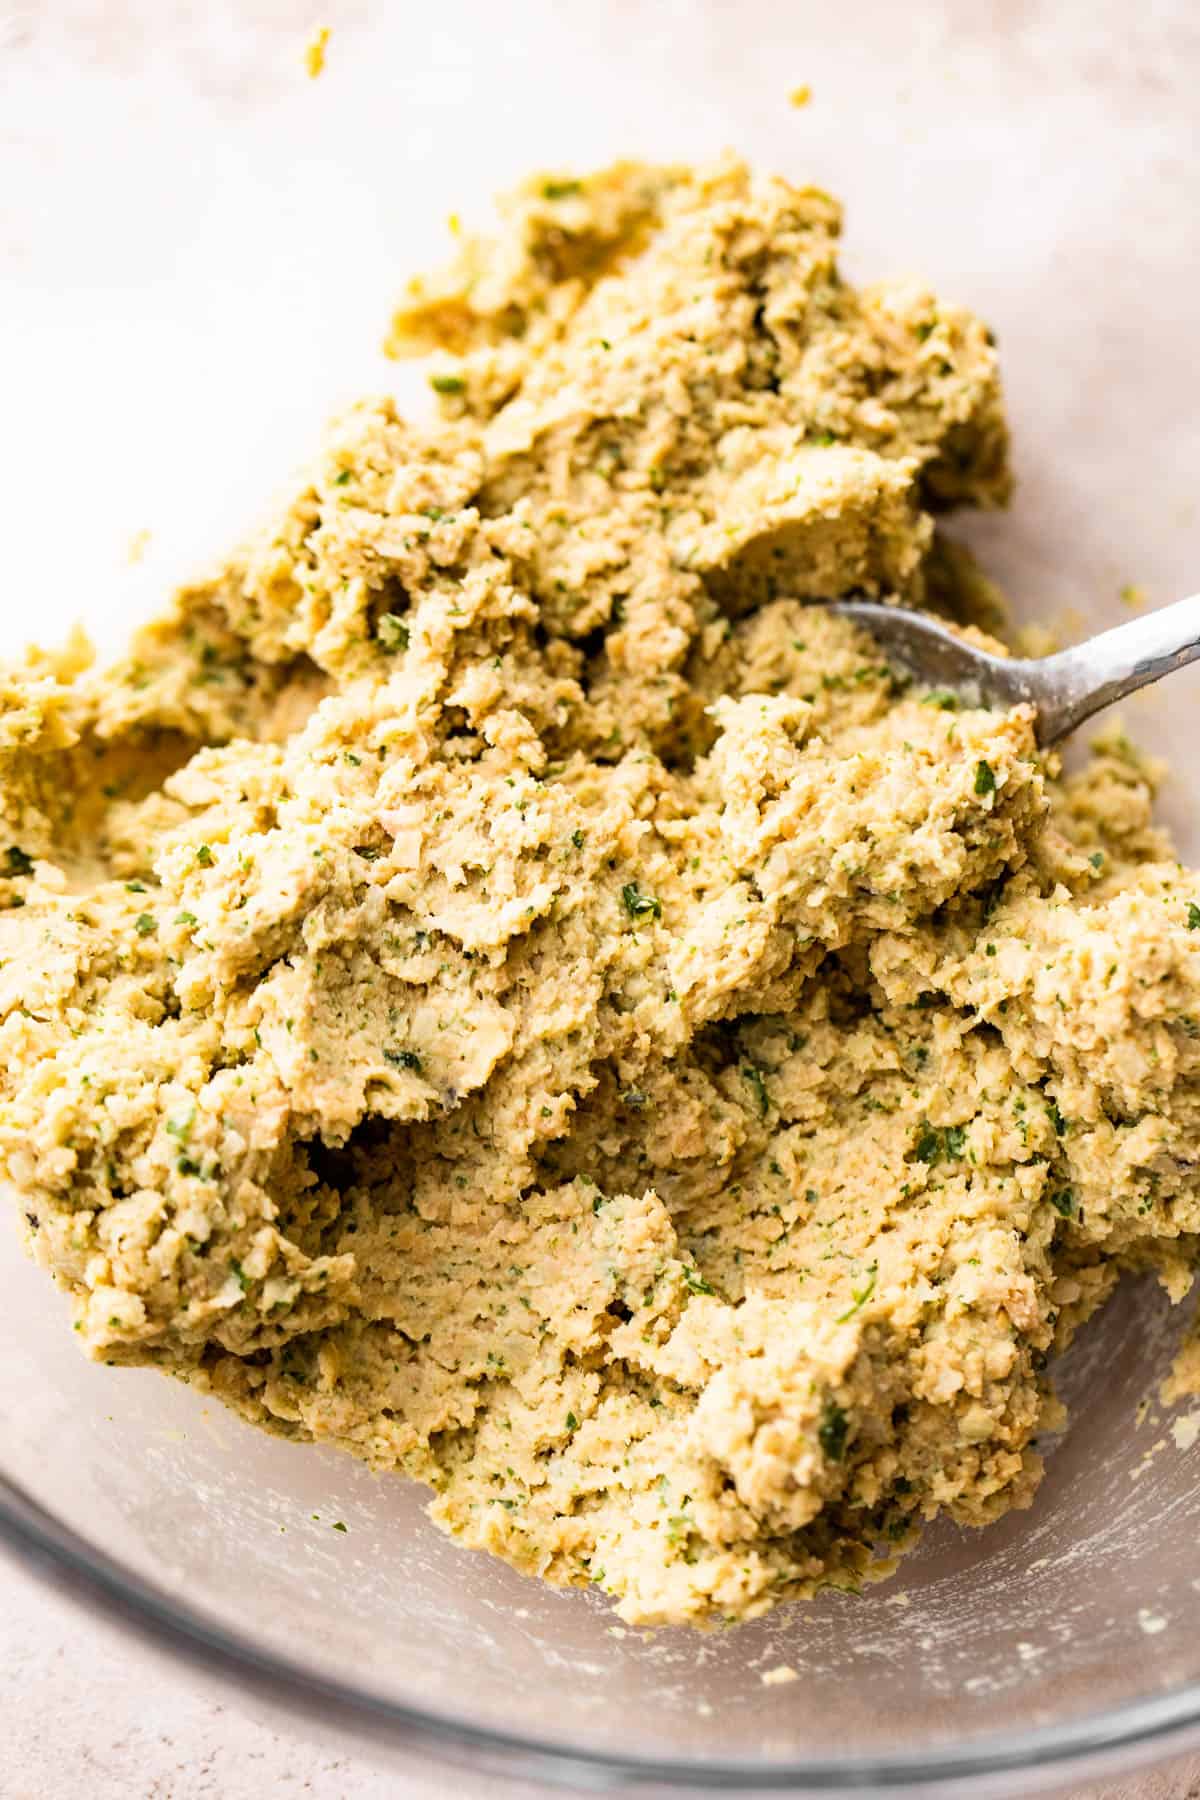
860,1296
391,632
944,698
833,1430
937,1144
447,384
572,1422
1064,1202
695,1280
403,1059
240,1275
1193,916
204,856
1097,859
577,839
18,861
135,887
754,1075
985,780
338,1526
560,190
145,924
342,477
639,905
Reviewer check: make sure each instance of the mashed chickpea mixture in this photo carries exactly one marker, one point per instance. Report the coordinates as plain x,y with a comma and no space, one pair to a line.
496,981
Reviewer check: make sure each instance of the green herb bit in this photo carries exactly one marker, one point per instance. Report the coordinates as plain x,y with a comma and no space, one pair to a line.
185,918
145,924
940,1144
403,1059
342,477
577,839
18,861
945,699
1193,916
447,384
754,1075
391,632
639,905
561,190
135,887
833,1430
338,1526
1064,1202
695,1280
204,856
572,1422
861,1295
985,780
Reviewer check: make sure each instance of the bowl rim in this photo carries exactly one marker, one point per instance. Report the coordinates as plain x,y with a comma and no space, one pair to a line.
37,1540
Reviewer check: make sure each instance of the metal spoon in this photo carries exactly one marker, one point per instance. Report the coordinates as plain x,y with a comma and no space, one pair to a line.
1066,688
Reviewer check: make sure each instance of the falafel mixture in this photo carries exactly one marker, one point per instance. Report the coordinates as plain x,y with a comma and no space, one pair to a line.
498,981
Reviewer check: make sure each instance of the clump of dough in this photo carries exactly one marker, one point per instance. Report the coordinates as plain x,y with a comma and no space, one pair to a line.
495,981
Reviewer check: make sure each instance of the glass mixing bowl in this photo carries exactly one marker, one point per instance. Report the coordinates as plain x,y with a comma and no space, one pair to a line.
198,251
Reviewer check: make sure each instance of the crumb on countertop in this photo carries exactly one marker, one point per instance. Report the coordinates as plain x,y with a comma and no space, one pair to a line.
314,51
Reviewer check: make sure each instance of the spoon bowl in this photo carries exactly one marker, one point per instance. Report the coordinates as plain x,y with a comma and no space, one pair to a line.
1065,689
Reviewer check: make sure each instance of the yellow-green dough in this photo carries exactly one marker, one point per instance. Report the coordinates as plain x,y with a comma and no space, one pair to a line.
494,981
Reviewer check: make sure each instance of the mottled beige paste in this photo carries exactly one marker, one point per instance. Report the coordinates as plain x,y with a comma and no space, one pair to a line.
494,982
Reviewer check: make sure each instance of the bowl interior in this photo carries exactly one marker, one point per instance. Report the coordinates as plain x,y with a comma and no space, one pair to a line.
198,265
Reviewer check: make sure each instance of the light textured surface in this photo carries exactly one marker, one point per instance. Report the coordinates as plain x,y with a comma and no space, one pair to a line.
84,1711
87,1712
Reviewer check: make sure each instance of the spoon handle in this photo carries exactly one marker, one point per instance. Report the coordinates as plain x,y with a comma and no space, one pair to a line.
1076,683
